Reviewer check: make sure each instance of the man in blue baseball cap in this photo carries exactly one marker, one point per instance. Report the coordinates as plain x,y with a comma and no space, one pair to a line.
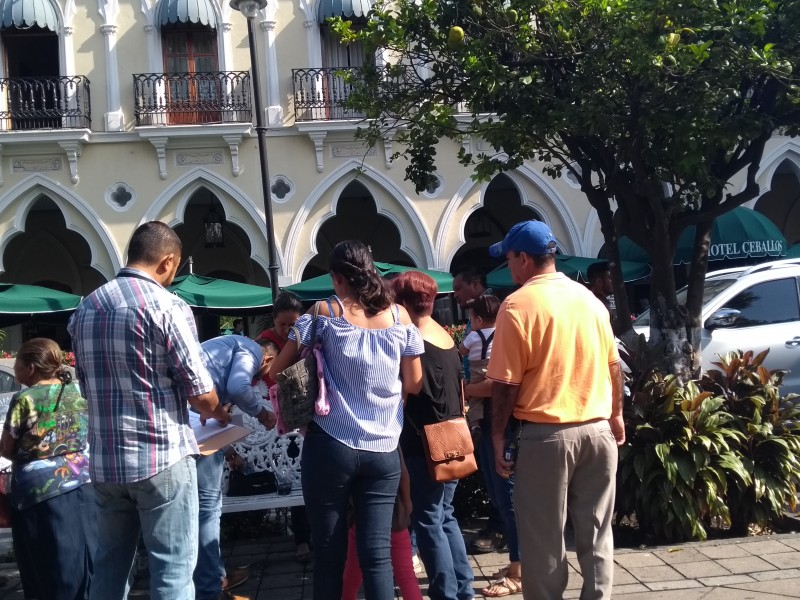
555,367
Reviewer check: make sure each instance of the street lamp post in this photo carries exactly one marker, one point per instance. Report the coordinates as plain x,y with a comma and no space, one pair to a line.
250,8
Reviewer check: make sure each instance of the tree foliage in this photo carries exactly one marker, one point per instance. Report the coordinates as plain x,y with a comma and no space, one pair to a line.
654,105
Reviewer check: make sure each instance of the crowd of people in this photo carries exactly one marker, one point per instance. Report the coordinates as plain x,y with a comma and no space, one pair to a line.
544,396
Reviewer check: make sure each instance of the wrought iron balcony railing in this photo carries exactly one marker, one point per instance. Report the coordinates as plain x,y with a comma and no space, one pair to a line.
192,98
320,94
45,103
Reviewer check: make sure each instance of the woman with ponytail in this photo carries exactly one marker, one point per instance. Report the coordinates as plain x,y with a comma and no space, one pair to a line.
371,351
52,501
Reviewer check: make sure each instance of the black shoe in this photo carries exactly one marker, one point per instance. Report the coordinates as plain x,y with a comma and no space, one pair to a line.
494,542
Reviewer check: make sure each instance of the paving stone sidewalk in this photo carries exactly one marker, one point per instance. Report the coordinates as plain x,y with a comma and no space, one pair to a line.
764,567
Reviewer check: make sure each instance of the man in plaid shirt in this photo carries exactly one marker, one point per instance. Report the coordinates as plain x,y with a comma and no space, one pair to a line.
140,366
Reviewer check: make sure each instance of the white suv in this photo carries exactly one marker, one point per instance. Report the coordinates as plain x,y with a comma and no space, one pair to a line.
750,308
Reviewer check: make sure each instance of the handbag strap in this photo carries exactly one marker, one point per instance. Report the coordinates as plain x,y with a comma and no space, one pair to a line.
313,338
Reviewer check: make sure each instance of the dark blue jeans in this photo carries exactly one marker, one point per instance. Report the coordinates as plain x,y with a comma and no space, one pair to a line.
333,473
439,540
501,491
55,541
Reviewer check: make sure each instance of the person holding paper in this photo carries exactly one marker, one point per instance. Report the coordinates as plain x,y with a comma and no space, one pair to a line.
140,367
233,361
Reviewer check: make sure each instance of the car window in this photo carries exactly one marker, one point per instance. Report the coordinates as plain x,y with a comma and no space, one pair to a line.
8,383
710,291
767,303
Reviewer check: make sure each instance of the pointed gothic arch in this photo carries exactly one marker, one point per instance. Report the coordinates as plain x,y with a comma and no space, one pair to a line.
170,207
555,212
79,217
390,201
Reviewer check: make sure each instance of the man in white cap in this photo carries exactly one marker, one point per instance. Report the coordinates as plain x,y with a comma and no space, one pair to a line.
555,367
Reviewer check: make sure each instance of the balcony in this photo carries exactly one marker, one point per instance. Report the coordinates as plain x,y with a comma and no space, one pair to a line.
192,98
30,103
320,94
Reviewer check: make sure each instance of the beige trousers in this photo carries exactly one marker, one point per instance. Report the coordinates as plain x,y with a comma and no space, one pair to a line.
560,469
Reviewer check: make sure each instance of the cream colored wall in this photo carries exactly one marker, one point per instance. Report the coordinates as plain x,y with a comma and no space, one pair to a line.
431,228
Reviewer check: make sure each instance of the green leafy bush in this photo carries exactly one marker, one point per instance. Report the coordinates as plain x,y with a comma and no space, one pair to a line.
771,451
719,450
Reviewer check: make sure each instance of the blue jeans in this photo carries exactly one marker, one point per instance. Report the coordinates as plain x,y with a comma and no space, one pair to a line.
163,509
210,570
333,473
501,491
441,545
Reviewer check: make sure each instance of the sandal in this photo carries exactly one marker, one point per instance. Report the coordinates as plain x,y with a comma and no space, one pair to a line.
502,573
503,587
303,553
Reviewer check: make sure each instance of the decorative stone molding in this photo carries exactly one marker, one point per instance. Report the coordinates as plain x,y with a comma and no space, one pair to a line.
282,189
233,142
120,196
67,31
160,144
1,164
466,144
318,137
73,150
268,25
199,157
388,142
149,29
227,27
309,24
108,29
350,150
37,165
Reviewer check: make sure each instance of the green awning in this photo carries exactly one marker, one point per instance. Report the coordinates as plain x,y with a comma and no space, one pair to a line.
18,299
319,288
220,294
573,267
347,9
187,11
739,233
27,13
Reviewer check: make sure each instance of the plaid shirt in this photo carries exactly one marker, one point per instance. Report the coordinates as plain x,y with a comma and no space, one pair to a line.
138,359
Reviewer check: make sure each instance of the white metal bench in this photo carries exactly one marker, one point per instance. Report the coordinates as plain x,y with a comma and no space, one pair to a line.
266,451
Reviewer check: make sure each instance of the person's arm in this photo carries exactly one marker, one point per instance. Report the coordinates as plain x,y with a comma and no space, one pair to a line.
463,350
504,397
209,407
617,398
291,350
8,446
404,490
411,374
239,385
481,389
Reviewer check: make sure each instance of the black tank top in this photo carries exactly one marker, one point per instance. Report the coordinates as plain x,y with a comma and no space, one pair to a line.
438,400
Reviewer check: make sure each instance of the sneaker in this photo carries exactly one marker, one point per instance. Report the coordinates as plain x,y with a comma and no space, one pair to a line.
493,542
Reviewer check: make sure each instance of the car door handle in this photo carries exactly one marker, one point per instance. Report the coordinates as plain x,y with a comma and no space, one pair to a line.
794,342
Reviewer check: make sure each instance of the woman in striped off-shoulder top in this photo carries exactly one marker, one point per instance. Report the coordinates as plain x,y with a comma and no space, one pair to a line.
371,350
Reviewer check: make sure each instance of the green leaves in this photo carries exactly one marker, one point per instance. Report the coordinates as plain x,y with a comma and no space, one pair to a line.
720,448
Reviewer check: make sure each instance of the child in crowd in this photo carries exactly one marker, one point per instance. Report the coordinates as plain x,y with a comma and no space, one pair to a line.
477,346
404,575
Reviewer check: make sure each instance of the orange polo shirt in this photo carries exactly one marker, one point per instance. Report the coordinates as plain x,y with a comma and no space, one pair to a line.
553,339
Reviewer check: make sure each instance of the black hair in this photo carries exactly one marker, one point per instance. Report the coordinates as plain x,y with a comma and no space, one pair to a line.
352,260
287,302
597,269
486,307
265,343
472,275
237,321
151,242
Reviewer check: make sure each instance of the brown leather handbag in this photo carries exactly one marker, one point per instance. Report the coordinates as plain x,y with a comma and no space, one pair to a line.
448,447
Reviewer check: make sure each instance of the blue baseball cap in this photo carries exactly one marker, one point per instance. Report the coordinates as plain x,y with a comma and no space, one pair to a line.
531,237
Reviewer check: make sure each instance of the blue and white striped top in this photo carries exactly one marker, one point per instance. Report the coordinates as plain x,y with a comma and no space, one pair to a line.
362,374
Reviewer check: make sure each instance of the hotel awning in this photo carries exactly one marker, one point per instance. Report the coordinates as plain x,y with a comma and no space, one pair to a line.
187,11
348,9
27,13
